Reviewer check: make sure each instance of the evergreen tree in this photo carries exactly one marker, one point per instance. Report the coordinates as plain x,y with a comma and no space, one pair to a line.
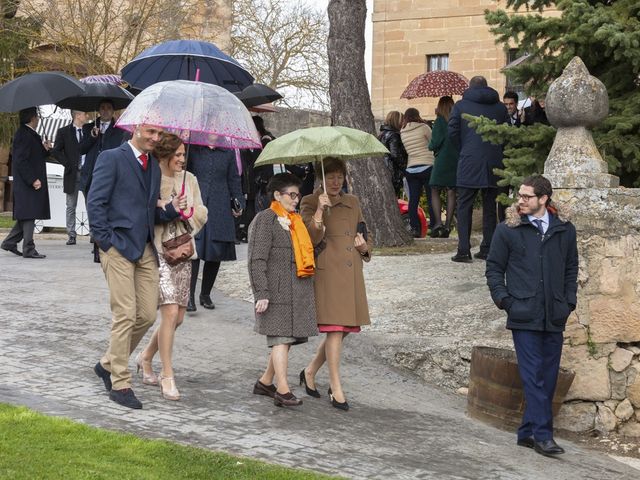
606,35
525,148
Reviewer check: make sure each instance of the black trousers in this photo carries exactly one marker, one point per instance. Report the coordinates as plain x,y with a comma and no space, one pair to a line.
209,275
502,208
464,214
417,182
22,231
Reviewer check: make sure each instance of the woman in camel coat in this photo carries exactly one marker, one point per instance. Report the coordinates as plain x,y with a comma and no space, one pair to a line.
333,219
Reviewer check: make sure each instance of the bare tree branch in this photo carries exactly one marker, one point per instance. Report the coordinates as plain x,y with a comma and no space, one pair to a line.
284,47
101,36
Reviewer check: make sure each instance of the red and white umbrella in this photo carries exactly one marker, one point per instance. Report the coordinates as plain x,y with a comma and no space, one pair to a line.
437,83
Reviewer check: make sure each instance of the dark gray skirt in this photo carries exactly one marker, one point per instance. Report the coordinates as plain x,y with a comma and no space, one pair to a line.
272,341
215,251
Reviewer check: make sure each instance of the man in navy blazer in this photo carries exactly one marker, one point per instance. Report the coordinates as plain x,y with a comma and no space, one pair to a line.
98,136
122,208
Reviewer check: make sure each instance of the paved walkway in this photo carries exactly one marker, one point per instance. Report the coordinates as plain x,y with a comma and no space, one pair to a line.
54,324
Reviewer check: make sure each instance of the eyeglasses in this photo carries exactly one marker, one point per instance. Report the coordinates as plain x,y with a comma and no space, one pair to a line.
525,197
292,195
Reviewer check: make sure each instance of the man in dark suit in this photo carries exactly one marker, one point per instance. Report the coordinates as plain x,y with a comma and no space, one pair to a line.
532,273
122,207
99,136
477,160
30,191
510,100
66,151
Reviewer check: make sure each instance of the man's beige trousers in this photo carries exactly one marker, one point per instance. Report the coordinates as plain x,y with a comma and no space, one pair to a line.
133,288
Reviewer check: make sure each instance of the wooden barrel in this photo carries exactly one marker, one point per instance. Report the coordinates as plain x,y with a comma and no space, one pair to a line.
495,389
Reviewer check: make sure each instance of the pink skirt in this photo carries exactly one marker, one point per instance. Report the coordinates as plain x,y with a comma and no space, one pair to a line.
337,328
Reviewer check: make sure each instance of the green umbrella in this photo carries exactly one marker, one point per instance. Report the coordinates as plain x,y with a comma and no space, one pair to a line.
317,143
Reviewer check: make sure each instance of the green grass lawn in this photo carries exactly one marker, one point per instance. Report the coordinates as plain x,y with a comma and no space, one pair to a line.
34,446
6,221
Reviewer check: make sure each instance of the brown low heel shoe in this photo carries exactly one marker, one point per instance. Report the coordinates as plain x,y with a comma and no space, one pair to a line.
286,400
261,389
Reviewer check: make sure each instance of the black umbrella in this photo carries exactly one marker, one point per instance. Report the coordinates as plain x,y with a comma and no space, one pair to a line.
94,93
40,88
258,94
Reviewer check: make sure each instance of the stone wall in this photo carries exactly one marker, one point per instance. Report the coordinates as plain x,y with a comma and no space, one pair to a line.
603,334
286,120
602,340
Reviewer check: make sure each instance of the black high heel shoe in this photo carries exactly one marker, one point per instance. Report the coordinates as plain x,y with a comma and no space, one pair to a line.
437,232
341,406
206,302
310,392
191,304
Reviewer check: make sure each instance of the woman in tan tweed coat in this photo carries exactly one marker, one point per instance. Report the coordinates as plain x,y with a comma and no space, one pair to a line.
285,306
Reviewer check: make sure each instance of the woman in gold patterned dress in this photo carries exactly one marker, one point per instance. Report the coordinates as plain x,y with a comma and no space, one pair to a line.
174,279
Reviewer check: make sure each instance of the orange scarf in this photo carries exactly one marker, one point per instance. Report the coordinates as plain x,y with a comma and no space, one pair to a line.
300,240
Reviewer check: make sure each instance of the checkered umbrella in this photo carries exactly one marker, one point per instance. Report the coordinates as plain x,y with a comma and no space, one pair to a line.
436,84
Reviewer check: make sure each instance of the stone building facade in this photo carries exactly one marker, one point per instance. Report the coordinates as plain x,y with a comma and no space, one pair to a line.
212,23
412,36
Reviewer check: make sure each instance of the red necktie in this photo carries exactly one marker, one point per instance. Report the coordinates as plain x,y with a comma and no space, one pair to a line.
144,158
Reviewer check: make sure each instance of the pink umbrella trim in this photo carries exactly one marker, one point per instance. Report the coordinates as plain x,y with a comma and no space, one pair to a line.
194,137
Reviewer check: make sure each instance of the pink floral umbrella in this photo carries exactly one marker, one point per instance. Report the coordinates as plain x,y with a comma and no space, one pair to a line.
199,113
436,84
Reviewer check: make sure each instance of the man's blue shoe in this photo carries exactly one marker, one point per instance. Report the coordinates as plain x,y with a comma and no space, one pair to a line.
104,374
125,397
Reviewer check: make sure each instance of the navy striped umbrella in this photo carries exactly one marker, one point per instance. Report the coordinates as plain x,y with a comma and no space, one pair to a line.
180,60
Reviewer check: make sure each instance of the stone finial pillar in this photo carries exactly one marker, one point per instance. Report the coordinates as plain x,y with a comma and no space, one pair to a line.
575,102
602,338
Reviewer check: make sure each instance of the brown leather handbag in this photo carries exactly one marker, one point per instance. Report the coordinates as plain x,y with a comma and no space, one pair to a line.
179,248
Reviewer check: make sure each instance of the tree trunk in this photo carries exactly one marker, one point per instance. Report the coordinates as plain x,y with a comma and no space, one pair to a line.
351,107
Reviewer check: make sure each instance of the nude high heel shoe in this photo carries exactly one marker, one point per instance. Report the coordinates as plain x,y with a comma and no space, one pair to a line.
170,393
147,379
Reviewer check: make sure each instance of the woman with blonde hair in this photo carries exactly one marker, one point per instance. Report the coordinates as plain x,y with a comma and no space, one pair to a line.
174,279
444,169
396,159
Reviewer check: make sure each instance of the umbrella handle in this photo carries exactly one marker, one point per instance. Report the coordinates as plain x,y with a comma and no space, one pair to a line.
186,216
324,183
